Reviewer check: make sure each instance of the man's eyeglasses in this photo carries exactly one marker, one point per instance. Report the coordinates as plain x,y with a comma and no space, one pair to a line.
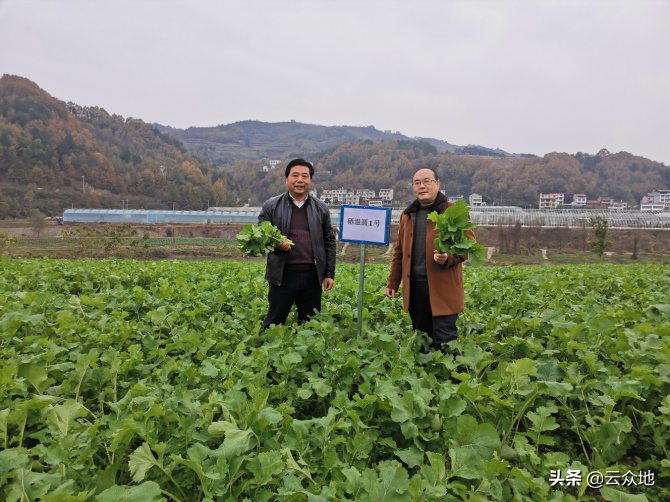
418,183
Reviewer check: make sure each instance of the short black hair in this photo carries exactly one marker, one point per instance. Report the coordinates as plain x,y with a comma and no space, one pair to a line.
299,162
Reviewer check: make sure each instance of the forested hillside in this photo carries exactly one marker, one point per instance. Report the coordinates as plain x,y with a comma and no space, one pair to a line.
502,180
54,155
622,175
255,140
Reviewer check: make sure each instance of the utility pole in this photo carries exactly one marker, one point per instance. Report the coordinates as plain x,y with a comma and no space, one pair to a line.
83,184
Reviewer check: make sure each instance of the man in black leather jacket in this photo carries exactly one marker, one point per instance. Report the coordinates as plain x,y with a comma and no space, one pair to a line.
295,273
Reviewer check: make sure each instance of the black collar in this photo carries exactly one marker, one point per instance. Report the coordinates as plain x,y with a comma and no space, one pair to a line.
439,204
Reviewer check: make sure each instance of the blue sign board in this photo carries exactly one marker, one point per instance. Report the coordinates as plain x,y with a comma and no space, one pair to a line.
365,225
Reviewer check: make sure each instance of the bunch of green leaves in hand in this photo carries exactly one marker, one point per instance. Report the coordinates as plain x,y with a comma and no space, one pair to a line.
451,238
259,240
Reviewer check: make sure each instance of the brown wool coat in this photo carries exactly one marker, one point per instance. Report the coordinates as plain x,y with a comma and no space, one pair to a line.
445,282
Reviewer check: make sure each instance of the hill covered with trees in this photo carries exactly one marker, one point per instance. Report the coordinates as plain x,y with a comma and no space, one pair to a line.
55,154
622,176
255,140
502,180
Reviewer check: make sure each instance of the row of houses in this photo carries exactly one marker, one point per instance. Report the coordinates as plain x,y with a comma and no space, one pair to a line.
658,200
340,196
556,200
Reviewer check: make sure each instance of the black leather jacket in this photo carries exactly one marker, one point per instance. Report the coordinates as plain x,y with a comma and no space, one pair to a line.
277,211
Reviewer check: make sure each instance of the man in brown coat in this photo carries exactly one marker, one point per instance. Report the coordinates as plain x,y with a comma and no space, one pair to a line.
432,282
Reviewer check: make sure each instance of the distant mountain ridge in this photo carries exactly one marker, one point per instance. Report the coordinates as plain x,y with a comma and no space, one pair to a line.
54,155
255,140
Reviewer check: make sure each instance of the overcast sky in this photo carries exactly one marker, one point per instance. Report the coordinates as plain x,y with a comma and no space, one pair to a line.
526,76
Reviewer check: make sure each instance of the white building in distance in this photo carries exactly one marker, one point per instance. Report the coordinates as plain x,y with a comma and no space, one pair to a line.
386,194
356,197
552,200
365,193
271,165
655,198
335,196
579,200
476,200
351,199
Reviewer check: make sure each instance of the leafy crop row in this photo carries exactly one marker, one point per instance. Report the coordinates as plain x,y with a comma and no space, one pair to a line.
124,380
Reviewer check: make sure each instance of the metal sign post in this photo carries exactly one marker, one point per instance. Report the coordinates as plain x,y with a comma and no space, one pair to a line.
361,281
364,225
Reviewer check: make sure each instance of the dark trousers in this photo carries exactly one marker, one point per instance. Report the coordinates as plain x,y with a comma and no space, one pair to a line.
441,328
299,287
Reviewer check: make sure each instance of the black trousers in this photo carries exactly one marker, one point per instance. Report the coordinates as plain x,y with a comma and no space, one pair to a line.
301,288
441,328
